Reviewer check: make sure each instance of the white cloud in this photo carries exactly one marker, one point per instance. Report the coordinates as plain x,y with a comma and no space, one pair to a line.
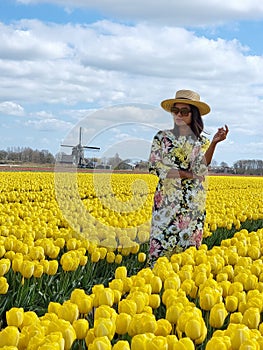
167,12
11,108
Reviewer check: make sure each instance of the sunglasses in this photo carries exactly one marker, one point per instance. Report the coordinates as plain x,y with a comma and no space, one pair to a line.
184,111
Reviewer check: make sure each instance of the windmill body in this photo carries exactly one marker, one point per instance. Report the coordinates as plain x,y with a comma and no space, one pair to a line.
78,152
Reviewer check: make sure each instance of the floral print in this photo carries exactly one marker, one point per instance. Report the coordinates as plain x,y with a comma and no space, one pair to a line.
179,204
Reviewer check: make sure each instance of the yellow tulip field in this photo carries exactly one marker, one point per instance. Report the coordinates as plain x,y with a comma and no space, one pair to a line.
74,272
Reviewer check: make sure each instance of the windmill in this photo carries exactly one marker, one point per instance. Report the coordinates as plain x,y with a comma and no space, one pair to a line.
78,151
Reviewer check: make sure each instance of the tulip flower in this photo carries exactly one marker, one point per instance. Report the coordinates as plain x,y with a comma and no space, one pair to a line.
238,334
251,317
236,317
231,303
27,268
156,284
68,311
121,272
122,323
15,316
127,306
121,345
106,297
154,301
53,267
140,341
9,336
81,327
164,327
142,323
90,337
217,316
101,343
4,266
3,285
209,297
104,327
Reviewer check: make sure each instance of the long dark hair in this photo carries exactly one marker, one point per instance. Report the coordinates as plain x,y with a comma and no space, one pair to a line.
197,124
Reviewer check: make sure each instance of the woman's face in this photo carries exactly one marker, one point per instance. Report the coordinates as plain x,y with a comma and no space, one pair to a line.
182,114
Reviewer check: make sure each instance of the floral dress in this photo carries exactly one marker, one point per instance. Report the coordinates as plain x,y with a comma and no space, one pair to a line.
179,204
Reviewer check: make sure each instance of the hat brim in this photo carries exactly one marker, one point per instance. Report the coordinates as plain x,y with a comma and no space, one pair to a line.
202,106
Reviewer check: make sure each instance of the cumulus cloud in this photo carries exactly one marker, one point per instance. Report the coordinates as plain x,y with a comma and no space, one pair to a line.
11,108
66,71
166,12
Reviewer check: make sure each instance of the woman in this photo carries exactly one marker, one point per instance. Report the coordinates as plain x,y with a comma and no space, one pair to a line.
179,157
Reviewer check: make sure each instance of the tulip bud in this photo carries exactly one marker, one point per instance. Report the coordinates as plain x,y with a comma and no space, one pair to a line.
122,323
15,316
3,285
121,345
101,343
127,306
217,316
164,327
251,318
9,336
104,327
121,272
68,311
231,303
81,327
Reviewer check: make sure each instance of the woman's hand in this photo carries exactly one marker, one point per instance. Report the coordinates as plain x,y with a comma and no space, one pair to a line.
220,135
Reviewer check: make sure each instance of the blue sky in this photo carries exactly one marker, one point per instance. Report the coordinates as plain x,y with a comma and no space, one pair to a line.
107,66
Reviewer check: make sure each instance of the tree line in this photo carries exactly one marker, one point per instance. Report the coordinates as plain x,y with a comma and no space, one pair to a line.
28,155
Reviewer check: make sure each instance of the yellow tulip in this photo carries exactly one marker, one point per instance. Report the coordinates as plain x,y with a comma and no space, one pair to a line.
4,266
101,343
217,343
116,284
251,318
30,318
9,336
3,285
157,343
15,316
110,258
173,312
173,282
154,301
106,297
217,316
68,311
121,272
90,337
121,345
104,327
53,267
209,297
95,256
238,335
105,311
231,303
156,284
127,306
193,328
236,317
164,327
142,257
38,270
142,323
141,299
122,323
140,341
81,327
27,268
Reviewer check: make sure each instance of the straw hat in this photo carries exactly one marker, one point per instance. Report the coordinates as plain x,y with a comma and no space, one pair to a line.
188,97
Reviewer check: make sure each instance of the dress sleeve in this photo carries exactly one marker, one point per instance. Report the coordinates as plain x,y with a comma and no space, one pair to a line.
198,165
156,165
